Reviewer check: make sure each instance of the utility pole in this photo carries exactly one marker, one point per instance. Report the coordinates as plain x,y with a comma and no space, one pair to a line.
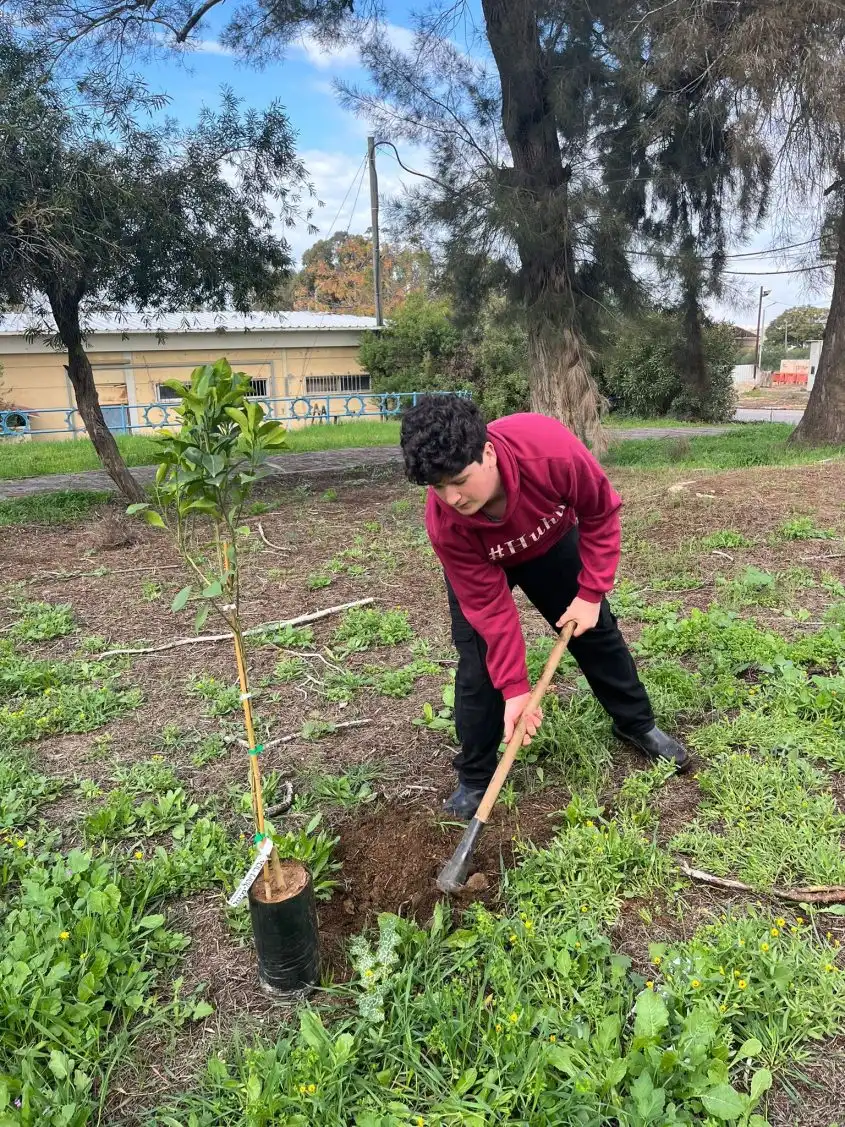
371,156
785,327
757,349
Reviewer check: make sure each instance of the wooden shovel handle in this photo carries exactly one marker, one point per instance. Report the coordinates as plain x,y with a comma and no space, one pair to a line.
506,762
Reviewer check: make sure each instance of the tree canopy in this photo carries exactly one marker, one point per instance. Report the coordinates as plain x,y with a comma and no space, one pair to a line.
101,216
800,324
337,275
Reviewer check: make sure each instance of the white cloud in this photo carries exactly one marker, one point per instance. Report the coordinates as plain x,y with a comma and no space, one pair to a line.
344,55
341,181
209,47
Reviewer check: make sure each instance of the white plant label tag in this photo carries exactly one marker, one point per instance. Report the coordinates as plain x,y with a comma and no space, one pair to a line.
265,849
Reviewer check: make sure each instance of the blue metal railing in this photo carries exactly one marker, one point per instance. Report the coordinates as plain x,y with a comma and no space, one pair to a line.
332,407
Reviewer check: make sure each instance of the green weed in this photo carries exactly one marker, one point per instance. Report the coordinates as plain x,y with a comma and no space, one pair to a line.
352,788
209,749
364,627
289,669
802,528
41,622
768,821
725,538
119,817
316,581
221,699
151,776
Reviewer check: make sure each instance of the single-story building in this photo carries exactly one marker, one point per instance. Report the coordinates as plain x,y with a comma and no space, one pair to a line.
304,365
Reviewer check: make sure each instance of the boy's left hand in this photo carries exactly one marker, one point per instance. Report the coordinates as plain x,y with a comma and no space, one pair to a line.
584,614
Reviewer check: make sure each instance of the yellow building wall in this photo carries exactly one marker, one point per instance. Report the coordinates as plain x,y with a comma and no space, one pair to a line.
38,382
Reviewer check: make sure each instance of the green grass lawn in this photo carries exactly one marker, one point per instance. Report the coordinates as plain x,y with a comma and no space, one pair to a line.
32,459
751,444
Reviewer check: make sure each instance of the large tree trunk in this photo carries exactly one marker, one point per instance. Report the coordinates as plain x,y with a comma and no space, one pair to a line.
538,184
693,363
65,309
824,418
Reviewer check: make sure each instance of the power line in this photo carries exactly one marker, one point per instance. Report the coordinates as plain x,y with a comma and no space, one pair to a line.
357,194
358,173
794,270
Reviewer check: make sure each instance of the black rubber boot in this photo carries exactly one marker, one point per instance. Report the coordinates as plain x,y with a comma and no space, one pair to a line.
464,802
657,745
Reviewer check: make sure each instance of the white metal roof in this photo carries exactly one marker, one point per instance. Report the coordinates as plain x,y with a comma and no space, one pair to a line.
188,321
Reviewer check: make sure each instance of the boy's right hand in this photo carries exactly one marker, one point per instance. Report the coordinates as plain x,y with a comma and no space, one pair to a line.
514,708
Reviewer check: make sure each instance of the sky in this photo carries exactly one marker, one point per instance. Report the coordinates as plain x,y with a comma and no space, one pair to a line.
333,142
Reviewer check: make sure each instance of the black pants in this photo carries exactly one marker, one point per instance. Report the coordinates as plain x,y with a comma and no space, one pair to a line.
551,583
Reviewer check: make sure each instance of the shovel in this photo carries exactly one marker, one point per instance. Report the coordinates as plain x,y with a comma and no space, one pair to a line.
453,875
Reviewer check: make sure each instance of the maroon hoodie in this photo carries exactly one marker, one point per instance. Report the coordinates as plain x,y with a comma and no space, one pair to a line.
551,482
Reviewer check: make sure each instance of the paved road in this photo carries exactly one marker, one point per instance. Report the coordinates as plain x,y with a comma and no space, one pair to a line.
767,415
289,465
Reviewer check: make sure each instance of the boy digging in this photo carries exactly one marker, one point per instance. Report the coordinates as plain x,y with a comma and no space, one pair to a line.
522,503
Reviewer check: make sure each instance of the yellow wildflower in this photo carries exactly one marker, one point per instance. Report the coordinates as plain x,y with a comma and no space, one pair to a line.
742,984
312,1088
590,822
649,985
723,1008
514,1018
695,984
656,961
139,855
775,932
741,942
420,1121
799,919
302,1089
512,937
764,947
369,973
584,908
829,967
64,935
780,921
498,1027
552,1038
528,925
721,970
20,842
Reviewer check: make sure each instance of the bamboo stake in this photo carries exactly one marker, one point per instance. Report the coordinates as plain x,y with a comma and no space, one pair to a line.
272,870
254,772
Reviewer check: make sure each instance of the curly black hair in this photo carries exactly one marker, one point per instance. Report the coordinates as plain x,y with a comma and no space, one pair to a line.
441,435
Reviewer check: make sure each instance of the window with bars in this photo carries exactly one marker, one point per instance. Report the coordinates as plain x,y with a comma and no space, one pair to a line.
325,385
257,388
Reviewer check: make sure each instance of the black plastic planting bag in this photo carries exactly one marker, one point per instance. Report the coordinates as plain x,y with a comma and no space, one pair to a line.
286,937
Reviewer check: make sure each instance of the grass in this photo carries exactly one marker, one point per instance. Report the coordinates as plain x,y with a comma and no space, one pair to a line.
593,994
753,444
65,507
32,459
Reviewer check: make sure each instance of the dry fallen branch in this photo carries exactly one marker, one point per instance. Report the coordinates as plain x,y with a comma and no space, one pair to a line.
275,547
100,573
815,894
300,621
829,556
329,732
